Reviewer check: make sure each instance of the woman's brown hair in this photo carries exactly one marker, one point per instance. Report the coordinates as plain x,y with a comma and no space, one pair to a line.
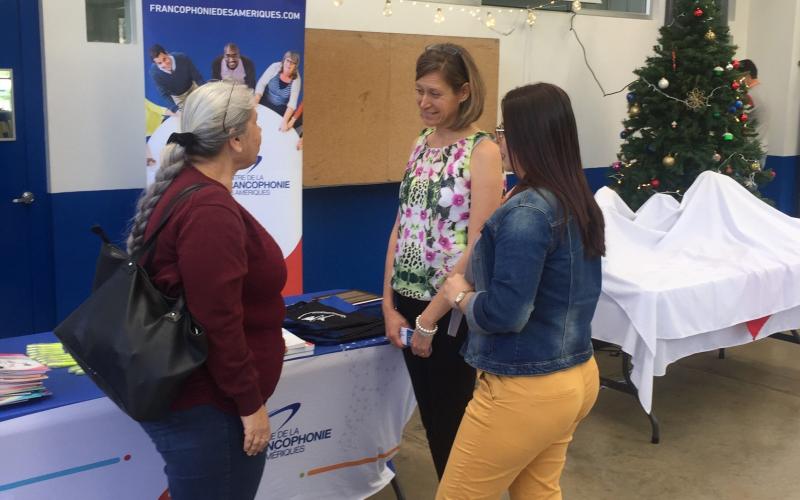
542,141
457,67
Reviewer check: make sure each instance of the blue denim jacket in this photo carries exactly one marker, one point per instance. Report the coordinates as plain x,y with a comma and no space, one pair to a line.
535,291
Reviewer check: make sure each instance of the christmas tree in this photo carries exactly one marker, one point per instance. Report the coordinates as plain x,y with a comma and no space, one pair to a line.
687,112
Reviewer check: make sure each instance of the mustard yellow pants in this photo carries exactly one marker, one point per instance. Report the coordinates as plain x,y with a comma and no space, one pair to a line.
515,433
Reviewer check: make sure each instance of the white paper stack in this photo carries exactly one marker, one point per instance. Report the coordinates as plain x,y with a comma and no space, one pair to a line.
295,346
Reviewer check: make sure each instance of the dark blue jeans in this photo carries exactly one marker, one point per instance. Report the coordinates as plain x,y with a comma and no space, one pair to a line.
202,449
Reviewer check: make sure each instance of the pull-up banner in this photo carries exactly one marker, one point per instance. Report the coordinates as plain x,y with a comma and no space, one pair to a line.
258,43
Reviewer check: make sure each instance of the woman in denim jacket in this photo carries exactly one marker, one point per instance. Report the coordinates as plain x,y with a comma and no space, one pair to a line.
535,280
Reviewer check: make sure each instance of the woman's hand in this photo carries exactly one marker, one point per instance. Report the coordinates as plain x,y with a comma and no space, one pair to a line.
453,285
284,126
256,431
393,321
421,346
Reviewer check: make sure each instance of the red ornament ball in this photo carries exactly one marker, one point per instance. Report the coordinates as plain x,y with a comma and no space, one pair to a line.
655,183
698,12
735,64
744,117
735,85
772,173
729,170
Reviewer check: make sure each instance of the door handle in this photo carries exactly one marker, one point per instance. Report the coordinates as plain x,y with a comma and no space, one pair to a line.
25,198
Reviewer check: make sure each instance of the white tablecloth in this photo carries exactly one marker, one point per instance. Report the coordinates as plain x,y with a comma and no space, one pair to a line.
343,419
682,278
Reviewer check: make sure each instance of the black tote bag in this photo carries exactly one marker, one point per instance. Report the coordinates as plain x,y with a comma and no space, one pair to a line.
135,343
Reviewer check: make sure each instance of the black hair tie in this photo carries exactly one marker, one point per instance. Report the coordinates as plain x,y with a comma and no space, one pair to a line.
186,139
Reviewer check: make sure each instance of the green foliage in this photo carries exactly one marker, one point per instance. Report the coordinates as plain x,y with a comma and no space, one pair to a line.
671,123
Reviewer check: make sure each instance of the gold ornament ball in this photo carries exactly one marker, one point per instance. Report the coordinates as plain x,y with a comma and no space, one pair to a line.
755,166
668,161
711,36
635,110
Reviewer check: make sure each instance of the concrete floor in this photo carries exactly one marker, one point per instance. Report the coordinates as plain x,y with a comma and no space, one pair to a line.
728,431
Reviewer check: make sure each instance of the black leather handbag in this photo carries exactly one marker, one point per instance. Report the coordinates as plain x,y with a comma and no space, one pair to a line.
135,343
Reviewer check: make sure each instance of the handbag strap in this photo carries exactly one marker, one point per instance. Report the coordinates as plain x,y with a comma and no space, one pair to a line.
148,245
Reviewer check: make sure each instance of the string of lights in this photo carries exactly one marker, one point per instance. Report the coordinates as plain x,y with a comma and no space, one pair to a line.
693,102
489,19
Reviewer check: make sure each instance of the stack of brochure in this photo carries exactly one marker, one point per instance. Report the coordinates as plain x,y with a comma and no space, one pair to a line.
53,355
355,297
295,346
21,379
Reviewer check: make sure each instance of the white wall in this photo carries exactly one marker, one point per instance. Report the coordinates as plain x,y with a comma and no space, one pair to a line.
773,43
615,47
94,104
547,52
739,25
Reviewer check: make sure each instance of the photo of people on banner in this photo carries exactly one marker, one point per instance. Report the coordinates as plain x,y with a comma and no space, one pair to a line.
254,43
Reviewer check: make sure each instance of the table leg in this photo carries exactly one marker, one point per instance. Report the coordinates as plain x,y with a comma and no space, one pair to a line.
793,337
398,492
628,387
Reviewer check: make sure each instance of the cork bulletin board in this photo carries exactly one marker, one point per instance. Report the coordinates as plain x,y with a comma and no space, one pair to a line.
359,112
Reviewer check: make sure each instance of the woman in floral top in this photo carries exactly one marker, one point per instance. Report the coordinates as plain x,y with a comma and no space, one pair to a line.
452,184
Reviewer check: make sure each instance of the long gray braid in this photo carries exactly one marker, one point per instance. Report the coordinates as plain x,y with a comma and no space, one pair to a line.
213,113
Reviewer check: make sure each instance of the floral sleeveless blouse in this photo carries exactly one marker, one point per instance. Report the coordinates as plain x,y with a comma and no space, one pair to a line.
434,213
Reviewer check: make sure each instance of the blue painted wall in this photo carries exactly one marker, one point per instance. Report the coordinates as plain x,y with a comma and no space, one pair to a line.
784,189
345,231
75,248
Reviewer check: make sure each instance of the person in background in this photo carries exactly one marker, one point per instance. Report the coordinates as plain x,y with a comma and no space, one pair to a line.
757,108
232,65
175,76
453,181
279,89
231,273
535,282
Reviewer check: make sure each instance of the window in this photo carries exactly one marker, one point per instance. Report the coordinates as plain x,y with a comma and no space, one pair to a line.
725,6
108,21
634,8
7,130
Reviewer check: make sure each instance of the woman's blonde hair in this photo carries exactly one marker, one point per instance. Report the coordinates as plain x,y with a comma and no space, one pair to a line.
295,58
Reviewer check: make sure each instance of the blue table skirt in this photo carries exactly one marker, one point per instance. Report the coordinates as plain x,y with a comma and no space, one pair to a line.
69,389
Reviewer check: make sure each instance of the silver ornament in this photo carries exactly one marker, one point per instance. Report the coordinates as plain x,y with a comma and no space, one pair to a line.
663,83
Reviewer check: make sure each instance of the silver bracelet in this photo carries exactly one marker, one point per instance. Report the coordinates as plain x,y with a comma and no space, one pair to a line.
424,331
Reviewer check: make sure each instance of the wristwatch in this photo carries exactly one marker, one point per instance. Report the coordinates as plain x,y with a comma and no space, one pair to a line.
460,297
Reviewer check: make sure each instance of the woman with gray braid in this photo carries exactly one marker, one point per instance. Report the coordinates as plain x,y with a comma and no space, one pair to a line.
231,273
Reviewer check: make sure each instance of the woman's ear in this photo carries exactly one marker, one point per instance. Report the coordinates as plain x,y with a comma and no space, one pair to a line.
236,144
463,92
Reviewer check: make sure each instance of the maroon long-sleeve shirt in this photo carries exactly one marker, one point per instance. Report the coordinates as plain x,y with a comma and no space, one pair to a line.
231,273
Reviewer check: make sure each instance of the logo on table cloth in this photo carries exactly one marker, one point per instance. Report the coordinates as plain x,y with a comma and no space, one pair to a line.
292,440
319,316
